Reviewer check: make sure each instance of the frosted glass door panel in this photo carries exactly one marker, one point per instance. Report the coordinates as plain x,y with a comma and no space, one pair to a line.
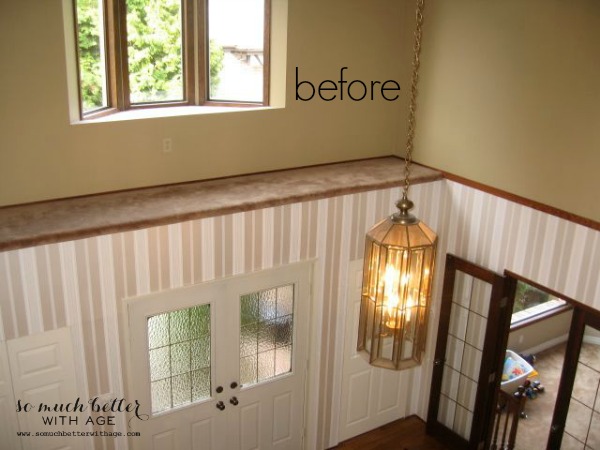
266,334
466,337
179,356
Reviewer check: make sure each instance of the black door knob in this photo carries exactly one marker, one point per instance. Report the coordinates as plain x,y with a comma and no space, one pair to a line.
219,389
234,401
220,405
233,385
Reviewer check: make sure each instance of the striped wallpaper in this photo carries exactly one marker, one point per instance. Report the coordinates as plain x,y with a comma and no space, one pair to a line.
502,235
81,283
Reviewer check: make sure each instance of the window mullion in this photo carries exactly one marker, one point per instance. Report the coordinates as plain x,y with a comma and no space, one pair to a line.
112,63
201,35
120,80
188,40
267,53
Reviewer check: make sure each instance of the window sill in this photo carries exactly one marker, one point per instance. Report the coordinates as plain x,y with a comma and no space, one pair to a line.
173,111
537,313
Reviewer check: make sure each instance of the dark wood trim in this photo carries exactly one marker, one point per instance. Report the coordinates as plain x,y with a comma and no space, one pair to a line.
538,286
489,374
433,426
575,303
474,270
553,211
491,365
592,318
567,379
503,331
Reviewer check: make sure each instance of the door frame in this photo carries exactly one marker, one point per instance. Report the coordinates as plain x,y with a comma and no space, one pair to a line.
496,341
490,372
184,294
583,316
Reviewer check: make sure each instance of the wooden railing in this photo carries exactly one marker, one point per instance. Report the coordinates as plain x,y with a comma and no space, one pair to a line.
506,421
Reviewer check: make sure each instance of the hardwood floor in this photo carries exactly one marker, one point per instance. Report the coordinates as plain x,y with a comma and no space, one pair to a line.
404,434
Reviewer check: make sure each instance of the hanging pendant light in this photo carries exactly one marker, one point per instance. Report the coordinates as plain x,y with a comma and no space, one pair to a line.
398,269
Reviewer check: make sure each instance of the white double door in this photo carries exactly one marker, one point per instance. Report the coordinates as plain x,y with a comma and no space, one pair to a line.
257,370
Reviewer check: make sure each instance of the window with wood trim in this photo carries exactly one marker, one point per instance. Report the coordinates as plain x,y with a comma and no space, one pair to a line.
150,53
532,304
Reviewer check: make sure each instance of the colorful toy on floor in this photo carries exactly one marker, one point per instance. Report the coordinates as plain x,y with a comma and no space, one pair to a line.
533,388
529,358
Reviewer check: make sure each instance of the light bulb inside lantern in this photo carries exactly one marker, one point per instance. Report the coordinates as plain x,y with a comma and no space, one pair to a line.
394,286
391,298
409,304
391,288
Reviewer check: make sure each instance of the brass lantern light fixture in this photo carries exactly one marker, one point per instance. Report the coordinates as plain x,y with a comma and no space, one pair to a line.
398,270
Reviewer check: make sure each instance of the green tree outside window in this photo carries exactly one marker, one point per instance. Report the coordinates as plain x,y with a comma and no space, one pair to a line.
154,43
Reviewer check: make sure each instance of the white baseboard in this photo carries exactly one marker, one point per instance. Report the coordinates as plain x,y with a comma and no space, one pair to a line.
591,340
548,344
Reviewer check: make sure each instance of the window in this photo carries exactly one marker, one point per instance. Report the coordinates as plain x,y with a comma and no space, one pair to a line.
179,355
267,321
148,53
532,303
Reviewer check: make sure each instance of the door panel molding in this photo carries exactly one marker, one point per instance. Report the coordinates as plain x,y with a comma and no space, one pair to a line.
43,371
370,396
9,424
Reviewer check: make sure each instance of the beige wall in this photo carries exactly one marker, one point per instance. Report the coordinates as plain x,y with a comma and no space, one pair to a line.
509,96
43,156
540,335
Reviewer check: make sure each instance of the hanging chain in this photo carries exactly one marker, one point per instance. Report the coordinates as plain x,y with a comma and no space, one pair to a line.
413,96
